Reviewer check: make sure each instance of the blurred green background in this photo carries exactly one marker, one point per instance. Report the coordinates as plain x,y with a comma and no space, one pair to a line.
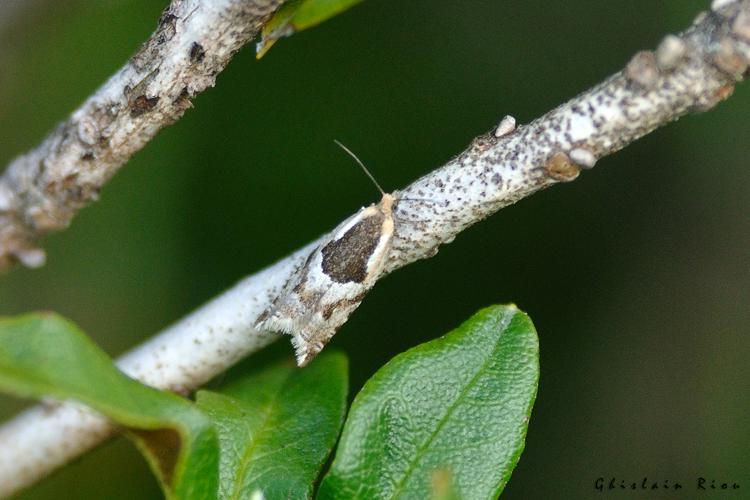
636,275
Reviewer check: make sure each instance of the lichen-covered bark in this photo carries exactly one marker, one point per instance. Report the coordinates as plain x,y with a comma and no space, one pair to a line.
41,191
690,72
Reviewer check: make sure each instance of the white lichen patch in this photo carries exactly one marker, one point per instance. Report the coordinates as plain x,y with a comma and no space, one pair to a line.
642,70
717,5
506,126
581,127
583,157
6,198
670,53
31,257
741,25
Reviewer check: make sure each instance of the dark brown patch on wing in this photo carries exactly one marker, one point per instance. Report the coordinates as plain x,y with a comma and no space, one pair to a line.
345,259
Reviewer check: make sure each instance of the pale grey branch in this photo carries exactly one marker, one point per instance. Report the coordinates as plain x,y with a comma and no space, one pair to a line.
41,191
690,72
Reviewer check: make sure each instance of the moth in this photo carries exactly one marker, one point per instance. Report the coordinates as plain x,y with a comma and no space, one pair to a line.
321,294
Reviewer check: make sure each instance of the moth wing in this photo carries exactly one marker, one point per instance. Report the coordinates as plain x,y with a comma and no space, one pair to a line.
321,295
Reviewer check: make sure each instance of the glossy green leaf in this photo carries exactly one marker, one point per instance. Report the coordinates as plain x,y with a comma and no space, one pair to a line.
313,12
456,407
277,427
46,355
298,15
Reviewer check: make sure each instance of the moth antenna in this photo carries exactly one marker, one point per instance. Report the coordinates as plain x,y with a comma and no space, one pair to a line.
367,172
421,199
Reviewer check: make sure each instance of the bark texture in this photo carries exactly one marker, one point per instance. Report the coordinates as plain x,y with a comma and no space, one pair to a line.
42,190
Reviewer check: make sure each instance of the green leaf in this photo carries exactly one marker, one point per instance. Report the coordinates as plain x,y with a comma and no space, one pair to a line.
314,12
277,427
457,407
46,355
298,15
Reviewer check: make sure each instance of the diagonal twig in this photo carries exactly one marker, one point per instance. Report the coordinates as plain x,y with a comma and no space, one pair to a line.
689,72
42,190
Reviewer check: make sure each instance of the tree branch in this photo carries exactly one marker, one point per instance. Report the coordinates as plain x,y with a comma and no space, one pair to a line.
41,191
690,72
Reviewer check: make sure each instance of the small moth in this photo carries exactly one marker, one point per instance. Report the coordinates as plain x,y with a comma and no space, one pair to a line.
333,281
